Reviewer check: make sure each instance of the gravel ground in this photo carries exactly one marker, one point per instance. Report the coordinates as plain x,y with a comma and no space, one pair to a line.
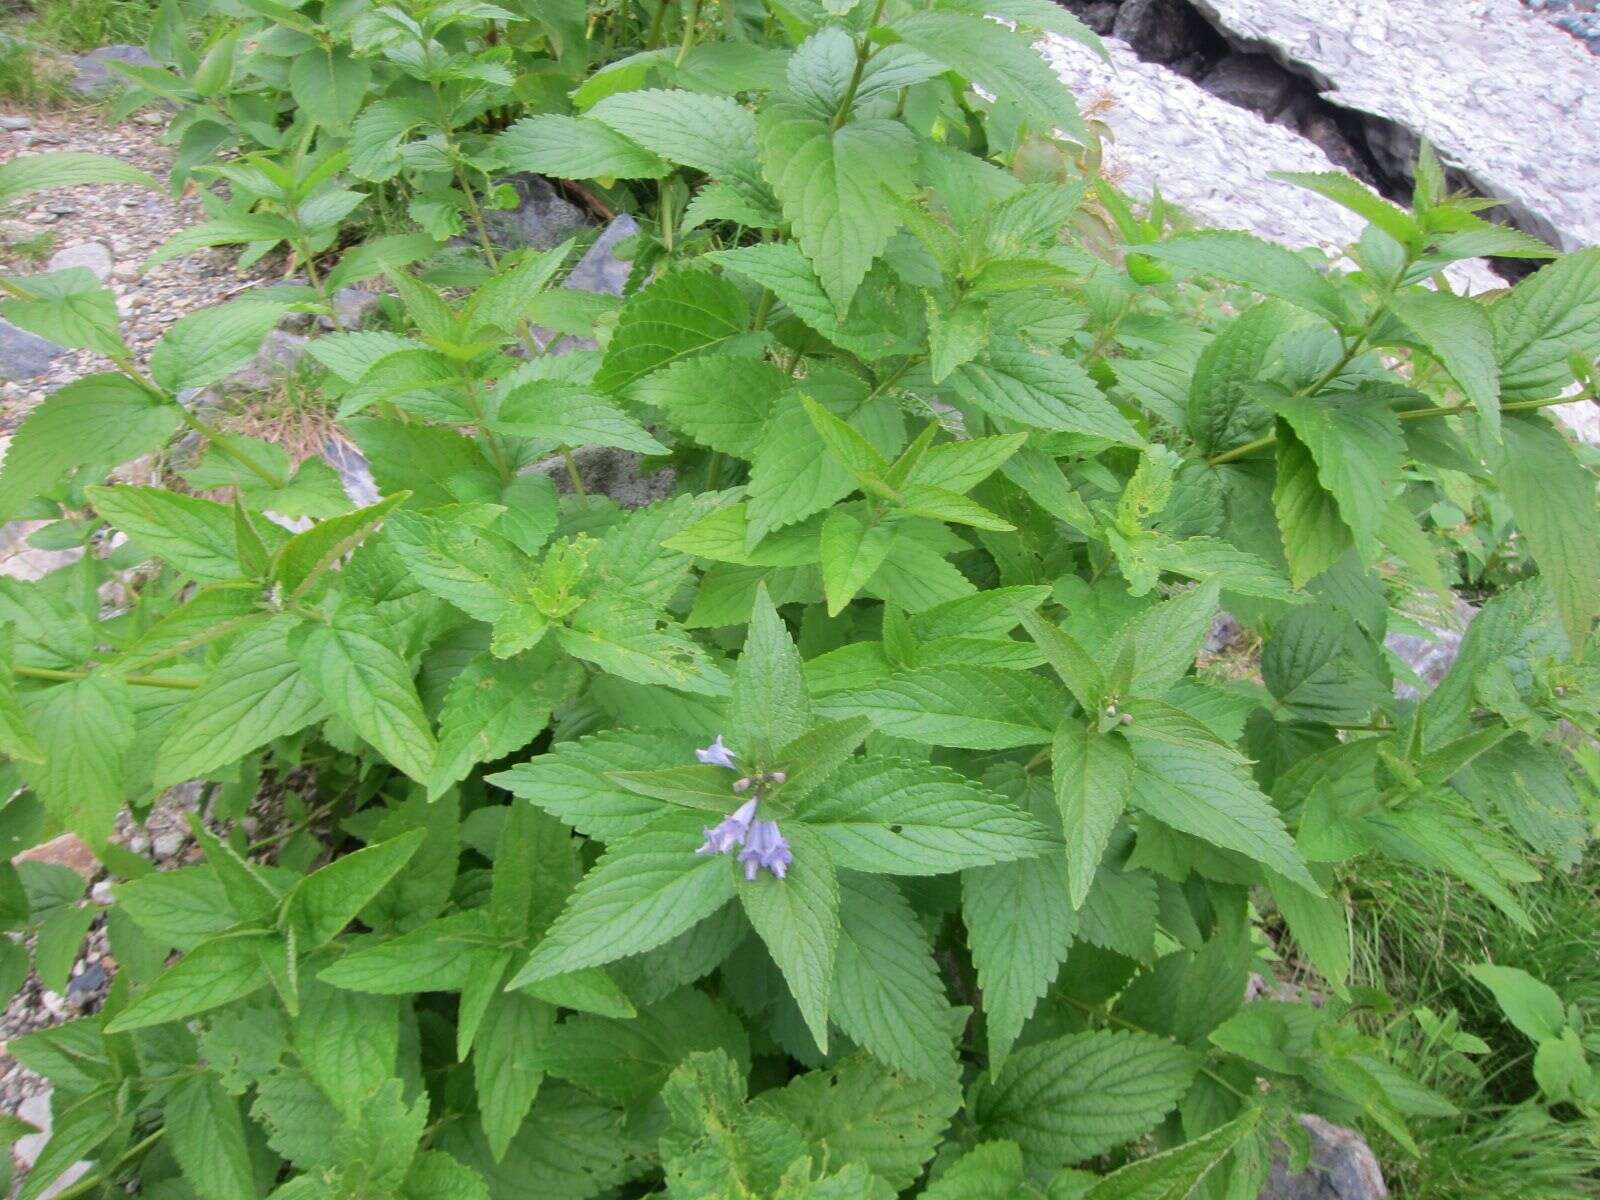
130,223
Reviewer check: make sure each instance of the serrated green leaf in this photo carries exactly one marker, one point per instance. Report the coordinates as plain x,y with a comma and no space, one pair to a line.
632,640
305,557
1020,922
897,818
714,134
1080,1095
192,534
836,187
506,1064
1314,534
351,661
1245,259
1548,316
204,347
327,900
860,1111
85,731
563,413
998,59
1204,794
887,994
644,891
576,148
797,918
256,693
1174,1174
64,168
978,708
680,314
1458,332
1042,391
100,418
207,1138
214,973
1092,774
1359,453
1552,497
329,84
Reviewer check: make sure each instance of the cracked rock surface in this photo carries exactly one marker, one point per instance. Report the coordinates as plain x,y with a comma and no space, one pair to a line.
1208,156
1507,99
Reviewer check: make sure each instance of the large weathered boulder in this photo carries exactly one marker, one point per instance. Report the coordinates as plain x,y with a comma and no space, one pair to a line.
1208,156
94,77
1342,1167
1508,100
541,219
24,355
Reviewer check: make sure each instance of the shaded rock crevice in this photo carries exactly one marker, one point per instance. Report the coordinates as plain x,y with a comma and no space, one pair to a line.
1193,38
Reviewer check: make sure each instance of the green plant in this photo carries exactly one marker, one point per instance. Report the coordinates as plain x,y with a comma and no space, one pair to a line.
853,822
85,24
27,77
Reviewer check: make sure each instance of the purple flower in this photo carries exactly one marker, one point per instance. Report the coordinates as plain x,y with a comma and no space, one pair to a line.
765,847
717,755
730,832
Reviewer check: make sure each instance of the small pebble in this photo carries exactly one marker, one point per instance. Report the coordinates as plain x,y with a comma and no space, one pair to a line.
167,844
16,123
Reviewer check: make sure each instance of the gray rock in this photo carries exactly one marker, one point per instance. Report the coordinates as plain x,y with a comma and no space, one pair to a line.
1209,157
1251,81
92,256
614,473
36,1111
13,124
600,270
92,77
19,560
1457,72
87,985
277,358
24,355
1160,30
1430,656
541,219
1225,630
1099,15
1323,132
167,844
353,471
1342,1167
350,308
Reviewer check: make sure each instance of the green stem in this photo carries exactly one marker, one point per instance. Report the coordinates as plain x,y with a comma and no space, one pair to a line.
496,450
50,673
664,215
451,148
575,479
653,38
220,441
863,53
690,20
318,283
89,1182
763,311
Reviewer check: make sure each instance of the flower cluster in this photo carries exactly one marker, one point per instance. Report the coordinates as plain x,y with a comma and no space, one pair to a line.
762,843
